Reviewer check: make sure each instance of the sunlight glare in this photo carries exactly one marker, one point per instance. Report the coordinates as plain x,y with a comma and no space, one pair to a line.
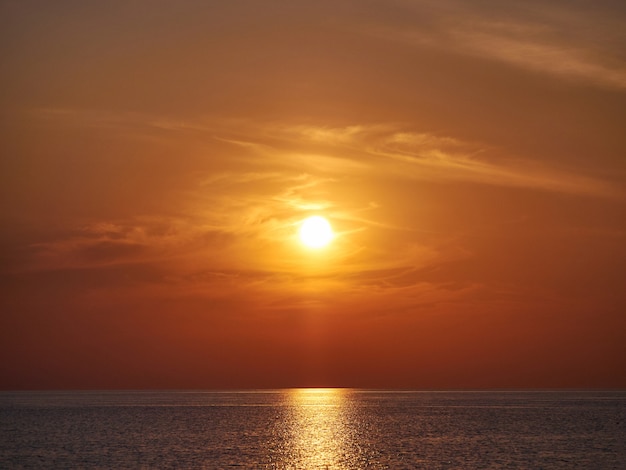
316,232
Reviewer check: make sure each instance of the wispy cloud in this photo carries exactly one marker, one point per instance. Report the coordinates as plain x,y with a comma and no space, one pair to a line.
565,41
424,156
281,154
536,54
234,225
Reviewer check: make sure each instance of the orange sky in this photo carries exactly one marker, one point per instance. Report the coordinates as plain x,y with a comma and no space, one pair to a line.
157,158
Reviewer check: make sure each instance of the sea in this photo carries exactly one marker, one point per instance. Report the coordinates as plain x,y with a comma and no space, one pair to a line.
313,429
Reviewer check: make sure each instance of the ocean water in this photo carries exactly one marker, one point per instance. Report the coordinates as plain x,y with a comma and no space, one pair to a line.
313,429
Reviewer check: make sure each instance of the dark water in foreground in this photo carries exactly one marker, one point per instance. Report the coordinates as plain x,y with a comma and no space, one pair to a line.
313,428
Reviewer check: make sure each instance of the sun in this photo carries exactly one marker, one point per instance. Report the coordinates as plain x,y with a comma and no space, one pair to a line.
316,232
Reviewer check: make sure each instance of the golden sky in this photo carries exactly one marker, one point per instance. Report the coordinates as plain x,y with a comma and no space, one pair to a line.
158,158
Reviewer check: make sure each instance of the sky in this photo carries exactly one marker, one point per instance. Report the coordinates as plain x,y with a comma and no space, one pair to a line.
158,157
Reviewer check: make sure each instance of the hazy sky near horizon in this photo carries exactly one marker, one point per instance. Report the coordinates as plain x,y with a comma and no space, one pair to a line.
158,157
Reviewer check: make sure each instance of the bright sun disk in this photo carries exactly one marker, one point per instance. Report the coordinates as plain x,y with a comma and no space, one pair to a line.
316,232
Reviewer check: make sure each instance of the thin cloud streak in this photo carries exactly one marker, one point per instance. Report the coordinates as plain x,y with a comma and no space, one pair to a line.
442,158
534,37
340,150
570,62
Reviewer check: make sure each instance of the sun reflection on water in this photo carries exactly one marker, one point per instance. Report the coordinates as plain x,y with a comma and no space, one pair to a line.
318,431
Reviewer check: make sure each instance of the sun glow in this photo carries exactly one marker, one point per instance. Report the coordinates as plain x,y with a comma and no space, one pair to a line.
316,232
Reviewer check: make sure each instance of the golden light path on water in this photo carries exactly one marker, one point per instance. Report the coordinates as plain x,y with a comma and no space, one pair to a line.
319,432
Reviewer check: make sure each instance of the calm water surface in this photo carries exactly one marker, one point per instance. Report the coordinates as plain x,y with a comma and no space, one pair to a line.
313,428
